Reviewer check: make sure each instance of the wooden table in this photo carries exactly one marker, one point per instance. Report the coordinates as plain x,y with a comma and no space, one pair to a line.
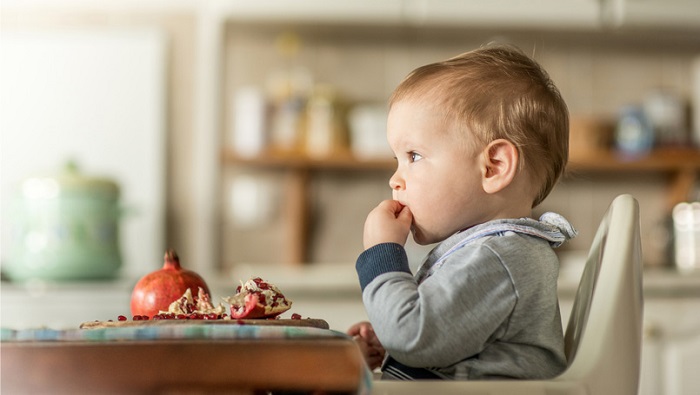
230,366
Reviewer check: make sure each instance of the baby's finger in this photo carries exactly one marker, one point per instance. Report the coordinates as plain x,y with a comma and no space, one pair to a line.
367,332
374,361
354,330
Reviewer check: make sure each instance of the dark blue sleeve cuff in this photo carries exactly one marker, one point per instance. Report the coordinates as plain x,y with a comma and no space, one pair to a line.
380,259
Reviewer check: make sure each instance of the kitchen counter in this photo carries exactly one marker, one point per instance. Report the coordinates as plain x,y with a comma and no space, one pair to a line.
334,281
658,283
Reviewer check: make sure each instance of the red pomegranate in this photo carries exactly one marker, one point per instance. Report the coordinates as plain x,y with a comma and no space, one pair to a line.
157,290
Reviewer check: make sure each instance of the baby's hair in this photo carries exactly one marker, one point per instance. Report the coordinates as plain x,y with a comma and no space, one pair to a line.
498,92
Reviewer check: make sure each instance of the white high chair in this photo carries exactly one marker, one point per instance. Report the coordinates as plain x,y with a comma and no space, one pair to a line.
604,334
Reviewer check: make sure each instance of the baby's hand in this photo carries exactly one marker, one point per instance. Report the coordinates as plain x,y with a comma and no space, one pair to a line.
369,344
389,222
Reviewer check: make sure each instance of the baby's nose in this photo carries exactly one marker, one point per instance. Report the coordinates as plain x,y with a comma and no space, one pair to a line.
395,182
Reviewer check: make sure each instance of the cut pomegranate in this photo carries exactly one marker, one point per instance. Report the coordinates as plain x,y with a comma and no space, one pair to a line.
257,299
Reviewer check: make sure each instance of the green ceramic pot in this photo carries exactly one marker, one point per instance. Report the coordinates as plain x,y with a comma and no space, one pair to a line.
65,227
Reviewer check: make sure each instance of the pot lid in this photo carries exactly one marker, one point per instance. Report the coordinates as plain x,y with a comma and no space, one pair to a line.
68,181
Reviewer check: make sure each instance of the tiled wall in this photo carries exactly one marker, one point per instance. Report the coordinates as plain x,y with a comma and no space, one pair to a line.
596,72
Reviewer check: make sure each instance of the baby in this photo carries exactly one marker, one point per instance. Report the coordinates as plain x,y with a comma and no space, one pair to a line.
480,139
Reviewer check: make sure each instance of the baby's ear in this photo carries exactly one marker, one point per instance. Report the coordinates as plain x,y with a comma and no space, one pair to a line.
499,165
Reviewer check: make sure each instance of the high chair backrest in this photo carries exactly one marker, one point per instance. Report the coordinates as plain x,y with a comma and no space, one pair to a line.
603,337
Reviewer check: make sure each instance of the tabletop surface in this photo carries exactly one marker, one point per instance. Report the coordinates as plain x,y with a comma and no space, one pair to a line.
176,358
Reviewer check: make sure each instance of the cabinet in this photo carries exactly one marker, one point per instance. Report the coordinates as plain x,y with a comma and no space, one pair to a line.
673,14
567,14
680,165
671,347
384,12
540,14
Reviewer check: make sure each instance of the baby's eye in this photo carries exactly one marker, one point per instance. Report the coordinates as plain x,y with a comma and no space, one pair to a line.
414,156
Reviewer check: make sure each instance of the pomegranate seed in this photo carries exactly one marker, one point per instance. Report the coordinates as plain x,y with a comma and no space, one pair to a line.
180,317
121,318
296,316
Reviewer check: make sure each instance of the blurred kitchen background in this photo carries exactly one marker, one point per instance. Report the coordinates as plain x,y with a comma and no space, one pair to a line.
249,136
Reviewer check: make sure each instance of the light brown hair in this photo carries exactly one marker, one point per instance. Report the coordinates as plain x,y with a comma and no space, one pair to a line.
498,92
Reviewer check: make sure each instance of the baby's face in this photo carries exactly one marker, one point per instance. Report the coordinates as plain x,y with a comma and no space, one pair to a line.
438,176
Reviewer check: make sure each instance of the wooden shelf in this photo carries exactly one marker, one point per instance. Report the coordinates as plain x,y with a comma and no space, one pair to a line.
297,171
682,166
342,161
677,159
664,160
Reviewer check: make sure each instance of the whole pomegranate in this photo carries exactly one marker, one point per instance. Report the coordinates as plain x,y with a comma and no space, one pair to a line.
157,290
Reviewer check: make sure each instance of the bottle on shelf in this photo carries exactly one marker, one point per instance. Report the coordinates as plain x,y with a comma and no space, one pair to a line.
325,130
288,89
634,135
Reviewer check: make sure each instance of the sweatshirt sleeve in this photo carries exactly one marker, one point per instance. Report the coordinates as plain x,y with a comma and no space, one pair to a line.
380,259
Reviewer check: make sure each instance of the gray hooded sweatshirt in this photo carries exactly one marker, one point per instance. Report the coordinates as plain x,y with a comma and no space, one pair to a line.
483,304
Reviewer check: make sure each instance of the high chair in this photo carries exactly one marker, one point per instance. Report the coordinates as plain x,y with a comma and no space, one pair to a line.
604,334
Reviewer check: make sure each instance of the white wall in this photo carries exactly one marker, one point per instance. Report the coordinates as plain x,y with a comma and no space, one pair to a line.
96,96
